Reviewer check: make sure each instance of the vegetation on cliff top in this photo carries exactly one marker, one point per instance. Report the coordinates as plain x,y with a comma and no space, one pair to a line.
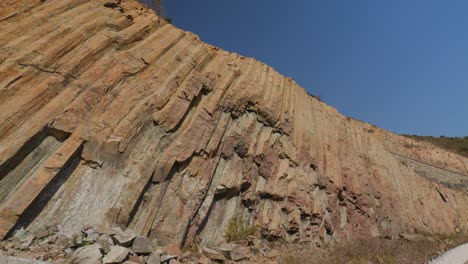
458,145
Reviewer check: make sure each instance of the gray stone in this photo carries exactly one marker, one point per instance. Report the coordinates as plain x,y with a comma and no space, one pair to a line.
41,232
52,239
68,252
106,242
92,237
26,241
124,238
92,233
87,255
85,228
154,259
52,228
142,245
62,240
20,233
44,242
117,254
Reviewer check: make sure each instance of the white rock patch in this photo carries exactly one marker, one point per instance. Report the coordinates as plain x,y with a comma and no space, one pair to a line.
458,255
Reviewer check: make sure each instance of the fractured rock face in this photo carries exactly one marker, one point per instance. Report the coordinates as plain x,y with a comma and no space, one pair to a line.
111,116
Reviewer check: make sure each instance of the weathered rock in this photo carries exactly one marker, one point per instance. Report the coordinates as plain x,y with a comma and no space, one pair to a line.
154,259
63,240
129,121
87,255
92,235
213,254
124,238
27,240
20,233
52,239
234,252
142,245
117,254
105,241
53,229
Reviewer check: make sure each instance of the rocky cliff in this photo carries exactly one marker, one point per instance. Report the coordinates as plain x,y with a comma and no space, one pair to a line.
111,116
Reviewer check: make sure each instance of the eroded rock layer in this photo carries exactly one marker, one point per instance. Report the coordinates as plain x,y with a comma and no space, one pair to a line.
111,116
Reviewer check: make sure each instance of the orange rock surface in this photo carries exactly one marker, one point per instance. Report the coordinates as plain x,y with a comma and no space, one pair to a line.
111,116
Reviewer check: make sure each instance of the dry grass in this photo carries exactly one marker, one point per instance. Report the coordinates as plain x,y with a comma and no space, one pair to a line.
239,229
377,250
458,145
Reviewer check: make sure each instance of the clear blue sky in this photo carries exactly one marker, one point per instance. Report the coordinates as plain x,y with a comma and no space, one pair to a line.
399,64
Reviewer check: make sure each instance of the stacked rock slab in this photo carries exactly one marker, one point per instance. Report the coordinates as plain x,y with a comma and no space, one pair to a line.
111,116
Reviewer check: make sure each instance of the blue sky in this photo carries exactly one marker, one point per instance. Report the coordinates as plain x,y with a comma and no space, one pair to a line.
401,64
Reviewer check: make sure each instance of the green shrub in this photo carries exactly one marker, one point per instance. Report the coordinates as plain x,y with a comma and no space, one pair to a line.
239,229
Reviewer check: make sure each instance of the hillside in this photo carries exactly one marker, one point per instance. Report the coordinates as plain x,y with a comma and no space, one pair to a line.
457,145
111,116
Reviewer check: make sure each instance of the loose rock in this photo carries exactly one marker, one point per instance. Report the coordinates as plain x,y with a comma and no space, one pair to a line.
234,252
41,232
106,242
87,255
142,245
117,254
124,238
213,254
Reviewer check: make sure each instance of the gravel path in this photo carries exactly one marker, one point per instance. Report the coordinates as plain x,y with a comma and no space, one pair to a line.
458,255
14,260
